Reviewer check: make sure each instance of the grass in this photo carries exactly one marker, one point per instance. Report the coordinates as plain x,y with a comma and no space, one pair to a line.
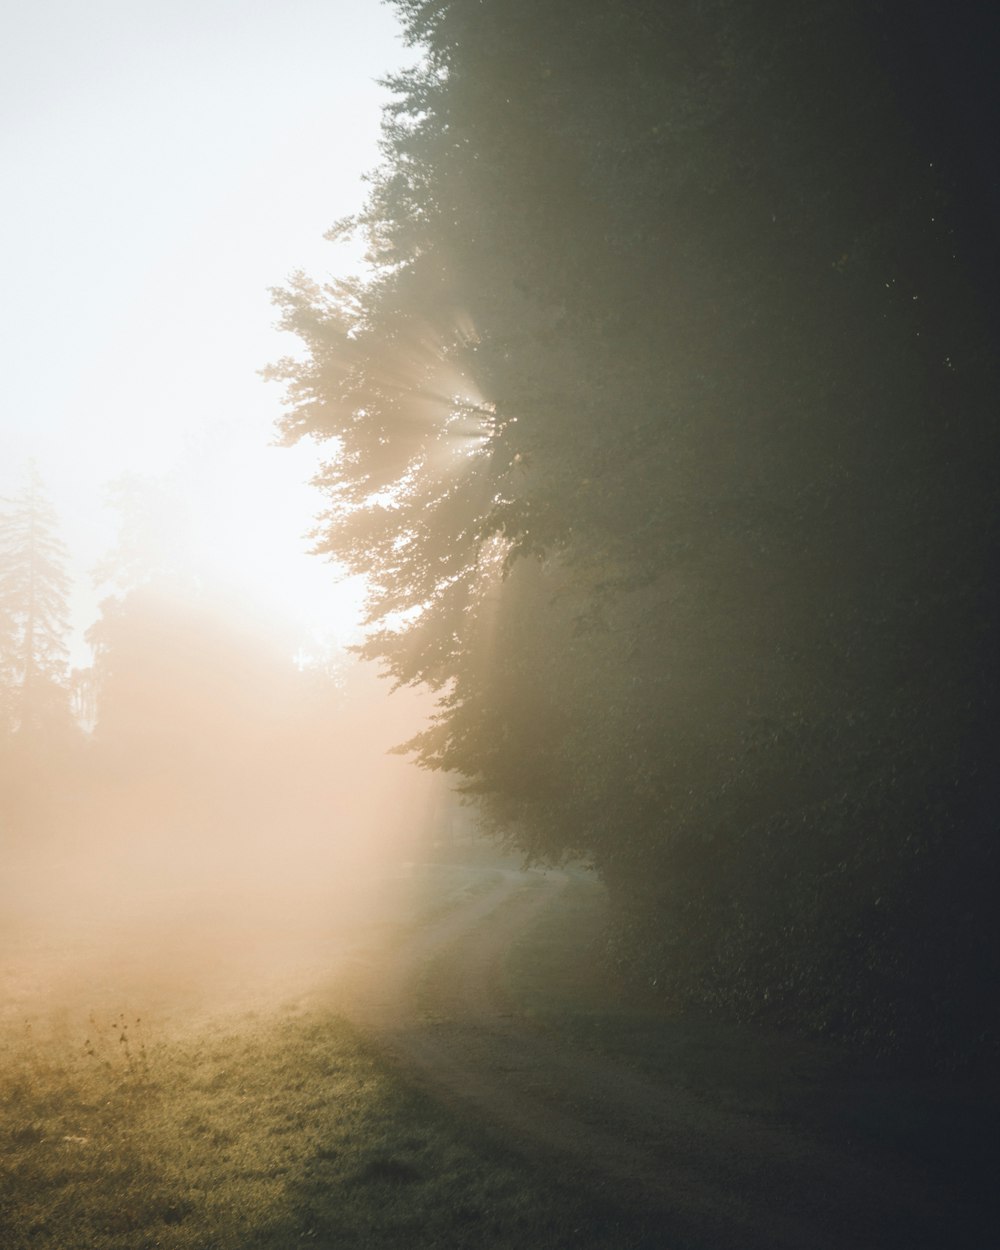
263,1135
201,1126
256,1130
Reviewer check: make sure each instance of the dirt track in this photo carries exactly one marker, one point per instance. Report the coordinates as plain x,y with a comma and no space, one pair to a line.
709,1177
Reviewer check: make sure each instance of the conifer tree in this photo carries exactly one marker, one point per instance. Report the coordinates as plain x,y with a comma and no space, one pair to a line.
664,433
34,613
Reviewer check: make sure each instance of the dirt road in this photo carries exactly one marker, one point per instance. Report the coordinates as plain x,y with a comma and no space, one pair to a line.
709,1176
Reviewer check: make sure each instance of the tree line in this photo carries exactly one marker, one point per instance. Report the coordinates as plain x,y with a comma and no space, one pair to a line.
192,739
663,427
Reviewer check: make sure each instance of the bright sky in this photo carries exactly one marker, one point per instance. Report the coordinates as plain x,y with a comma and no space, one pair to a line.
163,165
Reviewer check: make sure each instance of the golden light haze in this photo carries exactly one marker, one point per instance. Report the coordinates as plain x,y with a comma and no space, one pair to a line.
233,828
164,168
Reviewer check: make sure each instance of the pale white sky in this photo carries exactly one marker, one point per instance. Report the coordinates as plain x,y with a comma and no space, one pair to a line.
163,164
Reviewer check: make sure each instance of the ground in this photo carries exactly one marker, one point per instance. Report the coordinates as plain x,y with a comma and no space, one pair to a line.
435,1056
726,1137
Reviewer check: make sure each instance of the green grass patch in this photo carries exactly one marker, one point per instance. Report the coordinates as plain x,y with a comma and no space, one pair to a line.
261,1133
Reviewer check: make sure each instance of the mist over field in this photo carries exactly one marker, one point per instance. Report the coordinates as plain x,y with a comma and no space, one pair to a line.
228,813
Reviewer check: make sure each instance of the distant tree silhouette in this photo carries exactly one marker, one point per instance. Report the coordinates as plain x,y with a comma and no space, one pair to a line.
34,614
41,746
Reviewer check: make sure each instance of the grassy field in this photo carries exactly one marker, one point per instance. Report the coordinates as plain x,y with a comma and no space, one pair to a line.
266,1133
223,1128
204,1093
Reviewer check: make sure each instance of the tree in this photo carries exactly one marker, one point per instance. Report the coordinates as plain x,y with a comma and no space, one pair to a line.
34,611
39,757
645,433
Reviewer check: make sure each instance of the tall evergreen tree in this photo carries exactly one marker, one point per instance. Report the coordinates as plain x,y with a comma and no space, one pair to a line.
665,434
34,589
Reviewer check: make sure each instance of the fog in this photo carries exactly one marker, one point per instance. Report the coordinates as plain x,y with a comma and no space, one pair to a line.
225,834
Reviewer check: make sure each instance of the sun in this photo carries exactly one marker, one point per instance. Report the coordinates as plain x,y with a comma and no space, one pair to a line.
230,523
254,534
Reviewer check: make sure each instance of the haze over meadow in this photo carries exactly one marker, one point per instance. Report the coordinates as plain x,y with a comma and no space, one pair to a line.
160,179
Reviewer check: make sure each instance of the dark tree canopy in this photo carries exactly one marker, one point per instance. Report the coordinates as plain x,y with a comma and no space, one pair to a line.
665,432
